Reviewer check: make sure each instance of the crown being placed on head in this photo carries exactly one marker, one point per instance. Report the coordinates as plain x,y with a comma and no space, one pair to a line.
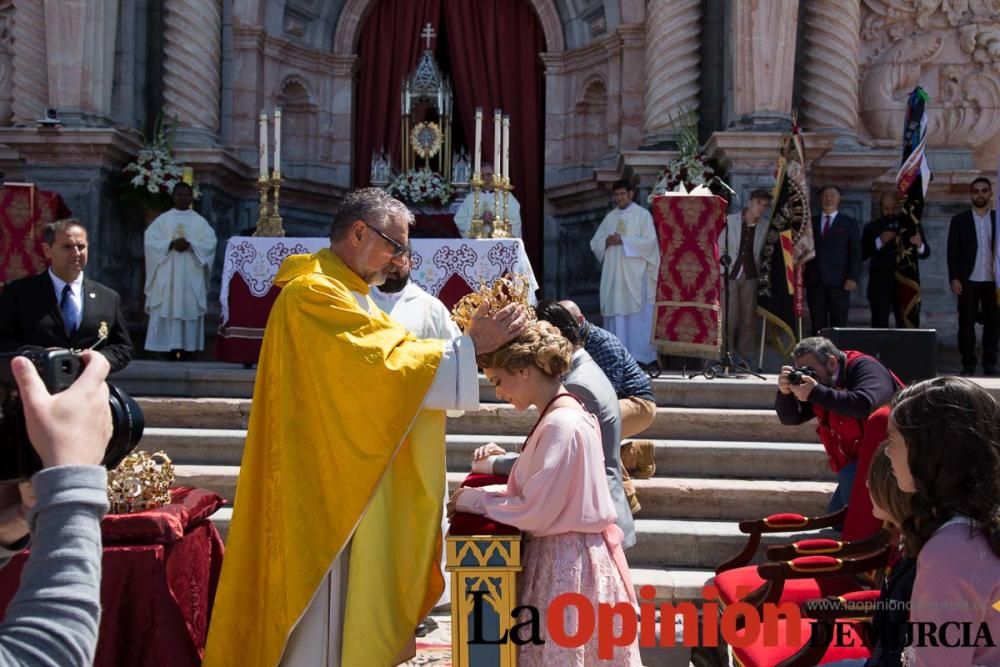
140,482
511,288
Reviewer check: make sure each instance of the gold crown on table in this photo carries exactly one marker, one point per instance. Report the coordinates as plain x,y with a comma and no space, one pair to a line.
141,482
508,289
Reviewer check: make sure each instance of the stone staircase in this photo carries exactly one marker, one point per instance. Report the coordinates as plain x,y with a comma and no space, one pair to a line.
721,456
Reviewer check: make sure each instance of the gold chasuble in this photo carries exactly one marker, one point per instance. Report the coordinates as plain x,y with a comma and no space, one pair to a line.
329,455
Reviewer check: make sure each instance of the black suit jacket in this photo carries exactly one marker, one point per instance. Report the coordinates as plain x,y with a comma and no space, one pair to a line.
963,244
30,315
882,269
838,256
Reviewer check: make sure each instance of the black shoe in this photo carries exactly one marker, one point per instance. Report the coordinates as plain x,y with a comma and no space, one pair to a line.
968,371
990,371
425,627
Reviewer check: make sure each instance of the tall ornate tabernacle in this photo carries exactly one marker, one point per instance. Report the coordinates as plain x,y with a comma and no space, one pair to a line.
427,109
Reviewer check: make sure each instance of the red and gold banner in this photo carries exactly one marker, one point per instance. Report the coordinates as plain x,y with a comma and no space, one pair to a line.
24,212
687,318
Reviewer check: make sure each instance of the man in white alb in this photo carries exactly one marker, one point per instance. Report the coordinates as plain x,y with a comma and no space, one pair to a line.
180,249
463,216
626,246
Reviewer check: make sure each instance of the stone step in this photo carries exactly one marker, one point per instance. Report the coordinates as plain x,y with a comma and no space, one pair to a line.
672,585
502,419
675,458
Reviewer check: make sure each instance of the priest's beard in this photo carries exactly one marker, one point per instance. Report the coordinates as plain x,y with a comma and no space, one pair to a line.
394,283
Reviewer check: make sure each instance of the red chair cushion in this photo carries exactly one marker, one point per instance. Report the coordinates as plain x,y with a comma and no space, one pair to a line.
759,655
188,508
817,544
736,583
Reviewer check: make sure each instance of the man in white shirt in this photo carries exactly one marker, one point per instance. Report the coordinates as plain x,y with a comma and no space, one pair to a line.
971,270
463,216
180,249
742,241
626,246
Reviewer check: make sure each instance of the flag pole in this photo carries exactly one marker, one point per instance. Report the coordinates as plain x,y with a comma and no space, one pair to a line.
763,330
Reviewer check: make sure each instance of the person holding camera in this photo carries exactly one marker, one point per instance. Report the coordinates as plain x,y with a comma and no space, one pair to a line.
54,617
841,390
60,307
881,241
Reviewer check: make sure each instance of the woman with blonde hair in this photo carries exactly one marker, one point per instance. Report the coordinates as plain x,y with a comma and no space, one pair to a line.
557,494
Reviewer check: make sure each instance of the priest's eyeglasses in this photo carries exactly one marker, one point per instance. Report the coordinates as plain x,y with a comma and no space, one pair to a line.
397,248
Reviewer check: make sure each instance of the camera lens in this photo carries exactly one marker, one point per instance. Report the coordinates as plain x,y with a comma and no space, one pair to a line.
127,426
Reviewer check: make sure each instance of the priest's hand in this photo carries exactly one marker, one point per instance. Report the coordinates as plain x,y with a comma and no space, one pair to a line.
491,332
613,239
180,244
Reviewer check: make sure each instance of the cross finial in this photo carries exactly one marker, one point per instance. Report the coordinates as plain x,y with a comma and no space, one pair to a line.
427,34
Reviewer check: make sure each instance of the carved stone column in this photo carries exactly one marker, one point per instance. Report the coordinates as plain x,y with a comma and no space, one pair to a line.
763,62
830,67
673,43
80,42
192,67
31,74
6,59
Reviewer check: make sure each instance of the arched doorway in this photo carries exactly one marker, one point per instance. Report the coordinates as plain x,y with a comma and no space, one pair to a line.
490,51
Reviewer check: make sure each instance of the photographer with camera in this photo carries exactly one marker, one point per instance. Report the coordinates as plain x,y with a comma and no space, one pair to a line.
842,390
54,617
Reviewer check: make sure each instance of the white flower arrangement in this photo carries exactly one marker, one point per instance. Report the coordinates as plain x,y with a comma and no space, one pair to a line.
154,173
691,168
421,186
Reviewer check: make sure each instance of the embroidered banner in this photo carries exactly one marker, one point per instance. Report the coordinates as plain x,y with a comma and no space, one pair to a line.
687,317
24,212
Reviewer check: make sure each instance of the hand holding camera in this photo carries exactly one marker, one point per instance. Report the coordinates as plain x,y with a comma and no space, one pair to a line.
799,381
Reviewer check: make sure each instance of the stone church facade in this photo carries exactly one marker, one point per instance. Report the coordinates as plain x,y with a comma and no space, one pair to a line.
617,73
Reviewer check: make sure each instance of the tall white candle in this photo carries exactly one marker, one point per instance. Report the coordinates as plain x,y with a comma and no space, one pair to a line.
277,141
479,141
496,142
506,147
263,145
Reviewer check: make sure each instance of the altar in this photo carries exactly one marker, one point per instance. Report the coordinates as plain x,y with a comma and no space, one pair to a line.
447,268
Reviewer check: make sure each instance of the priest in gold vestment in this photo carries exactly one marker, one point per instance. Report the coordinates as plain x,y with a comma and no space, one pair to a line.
331,557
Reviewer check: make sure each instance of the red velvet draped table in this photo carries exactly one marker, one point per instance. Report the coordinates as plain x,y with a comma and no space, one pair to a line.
687,318
24,212
159,574
447,268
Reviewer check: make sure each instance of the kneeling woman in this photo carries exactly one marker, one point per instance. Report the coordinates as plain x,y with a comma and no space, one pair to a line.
557,493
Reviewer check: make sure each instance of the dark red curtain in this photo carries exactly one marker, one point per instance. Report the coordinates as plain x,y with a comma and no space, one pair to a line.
490,52
388,49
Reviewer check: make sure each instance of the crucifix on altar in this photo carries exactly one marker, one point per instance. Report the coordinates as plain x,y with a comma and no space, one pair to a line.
427,110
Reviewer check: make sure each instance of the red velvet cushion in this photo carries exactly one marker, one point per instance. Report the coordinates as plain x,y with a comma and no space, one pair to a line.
785,518
169,523
736,583
758,655
817,545
463,523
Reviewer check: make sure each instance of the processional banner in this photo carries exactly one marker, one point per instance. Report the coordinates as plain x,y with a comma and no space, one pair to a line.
24,212
687,312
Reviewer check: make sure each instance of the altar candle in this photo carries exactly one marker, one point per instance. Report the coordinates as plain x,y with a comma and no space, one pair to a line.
479,140
506,147
277,141
496,143
263,146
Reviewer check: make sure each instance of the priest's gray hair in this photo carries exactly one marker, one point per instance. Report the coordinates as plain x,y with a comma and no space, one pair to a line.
372,205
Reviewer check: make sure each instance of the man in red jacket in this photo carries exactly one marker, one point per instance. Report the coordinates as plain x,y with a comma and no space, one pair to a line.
842,390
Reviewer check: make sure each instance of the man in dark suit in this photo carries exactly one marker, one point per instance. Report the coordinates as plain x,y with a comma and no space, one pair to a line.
61,308
833,274
971,255
880,243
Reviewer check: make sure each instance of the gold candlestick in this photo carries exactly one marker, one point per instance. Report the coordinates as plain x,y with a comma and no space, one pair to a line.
269,223
501,222
476,228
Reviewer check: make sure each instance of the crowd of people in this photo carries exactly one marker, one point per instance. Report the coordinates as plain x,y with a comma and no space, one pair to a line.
333,553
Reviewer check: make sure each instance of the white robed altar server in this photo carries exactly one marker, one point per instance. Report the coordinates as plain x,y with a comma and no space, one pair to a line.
180,249
626,246
463,216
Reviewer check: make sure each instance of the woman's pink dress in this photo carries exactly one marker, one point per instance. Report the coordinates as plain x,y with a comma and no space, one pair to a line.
558,495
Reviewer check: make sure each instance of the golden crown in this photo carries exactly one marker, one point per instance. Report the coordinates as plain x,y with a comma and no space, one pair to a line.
141,482
508,289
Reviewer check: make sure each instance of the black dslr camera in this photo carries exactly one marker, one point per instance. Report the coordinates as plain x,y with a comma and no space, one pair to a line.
795,376
58,369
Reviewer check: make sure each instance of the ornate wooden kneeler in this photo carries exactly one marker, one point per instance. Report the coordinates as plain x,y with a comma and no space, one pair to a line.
483,559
